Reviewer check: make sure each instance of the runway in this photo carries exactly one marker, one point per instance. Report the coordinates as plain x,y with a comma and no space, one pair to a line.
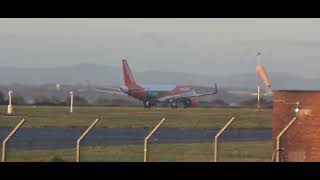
58,138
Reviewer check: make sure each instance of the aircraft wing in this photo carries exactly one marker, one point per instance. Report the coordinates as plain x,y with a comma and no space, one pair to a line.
117,91
111,92
114,91
188,94
207,94
177,96
109,89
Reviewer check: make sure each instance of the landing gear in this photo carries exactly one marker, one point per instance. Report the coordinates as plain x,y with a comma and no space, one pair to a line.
147,104
187,103
174,104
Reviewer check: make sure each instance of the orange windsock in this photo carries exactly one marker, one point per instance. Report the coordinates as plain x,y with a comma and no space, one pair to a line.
260,70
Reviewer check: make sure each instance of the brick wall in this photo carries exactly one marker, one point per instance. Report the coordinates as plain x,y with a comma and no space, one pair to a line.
302,140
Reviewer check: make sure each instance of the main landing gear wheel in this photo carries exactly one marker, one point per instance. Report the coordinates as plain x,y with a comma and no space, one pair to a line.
146,104
188,103
174,105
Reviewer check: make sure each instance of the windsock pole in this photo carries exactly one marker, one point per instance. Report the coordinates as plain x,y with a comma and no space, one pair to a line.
71,101
258,98
10,109
258,84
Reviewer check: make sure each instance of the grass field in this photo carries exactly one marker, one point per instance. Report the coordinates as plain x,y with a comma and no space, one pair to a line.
197,152
113,117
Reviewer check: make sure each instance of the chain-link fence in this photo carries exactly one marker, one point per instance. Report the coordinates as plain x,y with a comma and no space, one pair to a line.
187,135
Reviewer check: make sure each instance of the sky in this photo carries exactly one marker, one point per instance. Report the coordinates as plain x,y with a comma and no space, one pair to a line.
198,46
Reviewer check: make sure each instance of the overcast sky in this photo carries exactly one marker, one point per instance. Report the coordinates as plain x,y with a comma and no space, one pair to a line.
199,46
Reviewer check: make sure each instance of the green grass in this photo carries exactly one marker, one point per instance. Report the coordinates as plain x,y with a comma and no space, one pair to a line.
253,151
114,117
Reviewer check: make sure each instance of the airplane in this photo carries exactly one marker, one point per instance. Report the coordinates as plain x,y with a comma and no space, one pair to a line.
151,95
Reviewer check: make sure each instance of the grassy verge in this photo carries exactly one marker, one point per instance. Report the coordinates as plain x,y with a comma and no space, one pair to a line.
196,152
43,116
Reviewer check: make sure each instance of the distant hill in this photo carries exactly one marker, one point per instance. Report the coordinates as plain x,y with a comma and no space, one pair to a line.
107,75
278,81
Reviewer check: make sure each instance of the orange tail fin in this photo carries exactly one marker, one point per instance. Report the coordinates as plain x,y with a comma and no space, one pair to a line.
127,75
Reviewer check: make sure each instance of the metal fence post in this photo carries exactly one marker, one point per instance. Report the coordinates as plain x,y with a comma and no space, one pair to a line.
216,138
279,136
8,137
82,136
148,136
